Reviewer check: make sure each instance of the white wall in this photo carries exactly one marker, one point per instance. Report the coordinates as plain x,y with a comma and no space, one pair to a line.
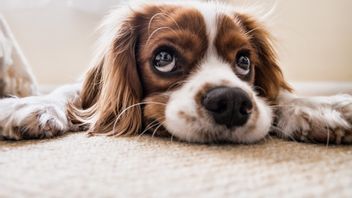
314,38
57,41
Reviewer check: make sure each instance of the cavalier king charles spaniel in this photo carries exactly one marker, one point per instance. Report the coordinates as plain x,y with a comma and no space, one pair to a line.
198,71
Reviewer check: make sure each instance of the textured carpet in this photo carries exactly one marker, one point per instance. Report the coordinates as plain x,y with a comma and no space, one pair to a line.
78,166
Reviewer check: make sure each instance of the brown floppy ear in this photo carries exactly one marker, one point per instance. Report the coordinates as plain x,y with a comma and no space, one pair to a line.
268,75
112,87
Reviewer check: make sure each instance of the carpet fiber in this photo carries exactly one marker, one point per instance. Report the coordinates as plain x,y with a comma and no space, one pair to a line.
77,166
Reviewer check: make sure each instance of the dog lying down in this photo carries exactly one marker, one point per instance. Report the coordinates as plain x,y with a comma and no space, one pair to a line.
199,72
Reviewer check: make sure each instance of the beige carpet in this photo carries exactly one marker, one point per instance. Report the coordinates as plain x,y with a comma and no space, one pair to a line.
78,166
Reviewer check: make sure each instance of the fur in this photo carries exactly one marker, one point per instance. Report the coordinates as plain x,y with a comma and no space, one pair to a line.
122,94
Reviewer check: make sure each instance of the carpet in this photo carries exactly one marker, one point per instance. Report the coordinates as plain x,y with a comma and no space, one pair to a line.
79,166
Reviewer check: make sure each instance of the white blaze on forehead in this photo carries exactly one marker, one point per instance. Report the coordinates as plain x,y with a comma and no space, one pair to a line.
210,15
210,12
215,71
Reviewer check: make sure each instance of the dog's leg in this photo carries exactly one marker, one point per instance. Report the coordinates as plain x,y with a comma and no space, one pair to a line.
37,116
315,119
16,77
5,61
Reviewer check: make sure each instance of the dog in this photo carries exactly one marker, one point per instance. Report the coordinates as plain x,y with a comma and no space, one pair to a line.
201,72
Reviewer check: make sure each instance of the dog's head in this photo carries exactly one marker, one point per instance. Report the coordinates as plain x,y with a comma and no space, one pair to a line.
201,72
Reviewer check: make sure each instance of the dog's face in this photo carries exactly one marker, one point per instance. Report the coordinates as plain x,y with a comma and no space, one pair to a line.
201,72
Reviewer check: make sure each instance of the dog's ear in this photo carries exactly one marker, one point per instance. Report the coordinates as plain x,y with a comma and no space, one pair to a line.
268,76
111,89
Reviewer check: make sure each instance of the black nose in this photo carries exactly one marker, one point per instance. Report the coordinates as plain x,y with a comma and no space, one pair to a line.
228,106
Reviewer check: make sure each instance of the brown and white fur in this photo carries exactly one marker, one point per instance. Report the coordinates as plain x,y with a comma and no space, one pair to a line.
123,93
16,78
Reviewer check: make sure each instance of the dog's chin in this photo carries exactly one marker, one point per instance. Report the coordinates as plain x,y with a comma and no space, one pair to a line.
180,123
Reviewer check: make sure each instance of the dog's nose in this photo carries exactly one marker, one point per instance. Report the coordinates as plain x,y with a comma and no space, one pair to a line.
228,106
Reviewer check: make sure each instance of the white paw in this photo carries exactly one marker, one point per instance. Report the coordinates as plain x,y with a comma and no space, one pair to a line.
317,119
31,117
17,84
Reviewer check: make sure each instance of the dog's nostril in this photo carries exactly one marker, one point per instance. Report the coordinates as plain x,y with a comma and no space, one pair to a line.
228,106
215,101
246,108
215,104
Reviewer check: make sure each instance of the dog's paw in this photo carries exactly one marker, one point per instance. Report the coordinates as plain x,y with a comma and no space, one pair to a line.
317,119
31,118
17,84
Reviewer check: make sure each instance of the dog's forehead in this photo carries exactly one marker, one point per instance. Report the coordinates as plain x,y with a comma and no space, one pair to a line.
191,17
207,21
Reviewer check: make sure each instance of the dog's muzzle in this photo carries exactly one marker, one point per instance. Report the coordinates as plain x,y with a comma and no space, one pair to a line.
231,107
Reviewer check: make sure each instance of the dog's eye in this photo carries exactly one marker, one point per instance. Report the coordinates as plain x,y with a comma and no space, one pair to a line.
243,65
164,61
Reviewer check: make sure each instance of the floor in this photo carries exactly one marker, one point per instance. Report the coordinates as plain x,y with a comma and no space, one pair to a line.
78,166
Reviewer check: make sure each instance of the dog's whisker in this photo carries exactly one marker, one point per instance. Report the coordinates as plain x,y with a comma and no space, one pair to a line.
172,138
149,126
278,132
270,137
328,135
157,128
278,106
161,14
176,84
151,20
130,107
157,30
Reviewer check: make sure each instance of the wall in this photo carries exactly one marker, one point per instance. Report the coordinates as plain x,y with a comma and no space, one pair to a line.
313,38
57,41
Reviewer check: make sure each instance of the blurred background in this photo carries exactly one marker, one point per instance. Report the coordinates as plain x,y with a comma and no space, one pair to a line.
313,38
